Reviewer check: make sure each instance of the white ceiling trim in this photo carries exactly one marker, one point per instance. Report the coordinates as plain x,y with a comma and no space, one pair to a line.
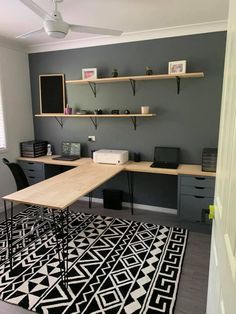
131,37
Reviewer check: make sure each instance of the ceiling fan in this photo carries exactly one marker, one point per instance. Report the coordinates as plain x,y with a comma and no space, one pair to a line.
55,27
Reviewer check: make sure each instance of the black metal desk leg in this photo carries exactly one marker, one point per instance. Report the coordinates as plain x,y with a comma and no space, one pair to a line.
57,243
7,229
62,241
11,233
61,232
130,177
67,246
90,199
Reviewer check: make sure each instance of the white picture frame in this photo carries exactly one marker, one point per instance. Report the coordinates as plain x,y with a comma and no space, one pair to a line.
177,67
89,74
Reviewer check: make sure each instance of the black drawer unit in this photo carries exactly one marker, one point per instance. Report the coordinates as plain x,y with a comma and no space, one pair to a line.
34,171
194,197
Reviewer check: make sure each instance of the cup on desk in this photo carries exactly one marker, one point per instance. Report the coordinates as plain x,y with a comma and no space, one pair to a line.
144,109
68,110
137,157
92,151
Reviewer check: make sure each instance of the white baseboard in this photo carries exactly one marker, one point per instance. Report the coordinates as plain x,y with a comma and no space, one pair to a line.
137,206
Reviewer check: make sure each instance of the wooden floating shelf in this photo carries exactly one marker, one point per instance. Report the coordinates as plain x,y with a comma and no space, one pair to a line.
93,117
133,79
137,78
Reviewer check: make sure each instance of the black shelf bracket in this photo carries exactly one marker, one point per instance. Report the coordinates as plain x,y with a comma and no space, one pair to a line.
134,121
60,121
93,88
178,84
95,122
133,86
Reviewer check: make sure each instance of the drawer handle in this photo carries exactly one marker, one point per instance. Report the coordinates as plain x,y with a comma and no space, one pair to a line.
200,178
200,187
32,170
30,162
31,177
197,196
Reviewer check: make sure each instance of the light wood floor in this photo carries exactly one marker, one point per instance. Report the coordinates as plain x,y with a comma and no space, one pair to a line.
192,291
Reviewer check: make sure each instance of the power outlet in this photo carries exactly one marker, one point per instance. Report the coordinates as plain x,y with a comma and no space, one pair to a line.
91,138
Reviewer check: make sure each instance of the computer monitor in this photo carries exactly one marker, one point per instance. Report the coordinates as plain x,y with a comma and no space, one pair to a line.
166,157
71,149
166,154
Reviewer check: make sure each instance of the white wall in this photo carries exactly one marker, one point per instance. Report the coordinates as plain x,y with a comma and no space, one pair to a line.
15,83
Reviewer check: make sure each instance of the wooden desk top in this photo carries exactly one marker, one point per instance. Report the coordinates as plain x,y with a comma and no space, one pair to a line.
64,189
48,160
142,166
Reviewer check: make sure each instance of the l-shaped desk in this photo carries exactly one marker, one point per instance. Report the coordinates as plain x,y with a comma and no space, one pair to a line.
64,189
60,191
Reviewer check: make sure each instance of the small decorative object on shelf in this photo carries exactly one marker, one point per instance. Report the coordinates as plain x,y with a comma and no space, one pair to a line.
68,110
145,109
126,111
148,71
49,150
177,67
89,74
115,111
114,73
98,111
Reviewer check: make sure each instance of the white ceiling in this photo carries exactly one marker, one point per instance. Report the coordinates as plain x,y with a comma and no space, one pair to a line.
134,17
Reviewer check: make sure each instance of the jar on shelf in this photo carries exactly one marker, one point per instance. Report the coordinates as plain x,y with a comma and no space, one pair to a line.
114,73
148,71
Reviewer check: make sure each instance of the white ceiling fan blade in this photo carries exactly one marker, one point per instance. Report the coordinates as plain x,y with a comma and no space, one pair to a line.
39,31
36,9
94,30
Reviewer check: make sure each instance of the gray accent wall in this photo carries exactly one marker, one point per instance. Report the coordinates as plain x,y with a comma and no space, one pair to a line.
189,120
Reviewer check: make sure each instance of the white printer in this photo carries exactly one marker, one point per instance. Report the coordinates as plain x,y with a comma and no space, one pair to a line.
109,156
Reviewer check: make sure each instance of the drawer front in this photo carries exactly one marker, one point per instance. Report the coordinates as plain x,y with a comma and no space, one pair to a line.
191,206
32,180
197,181
197,190
30,165
34,172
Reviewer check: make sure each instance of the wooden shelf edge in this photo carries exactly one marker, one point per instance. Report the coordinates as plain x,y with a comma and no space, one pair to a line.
138,78
96,115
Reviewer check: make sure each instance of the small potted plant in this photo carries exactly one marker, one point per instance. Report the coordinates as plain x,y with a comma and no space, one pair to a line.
148,70
114,73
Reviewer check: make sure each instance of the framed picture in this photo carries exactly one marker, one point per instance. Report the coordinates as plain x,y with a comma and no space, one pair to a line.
52,93
177,67
89,74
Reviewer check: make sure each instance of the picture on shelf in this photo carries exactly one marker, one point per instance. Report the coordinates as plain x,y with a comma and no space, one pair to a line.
177,67
89,74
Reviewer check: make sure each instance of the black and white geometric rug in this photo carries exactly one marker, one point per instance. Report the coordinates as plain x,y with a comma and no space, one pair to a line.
115,266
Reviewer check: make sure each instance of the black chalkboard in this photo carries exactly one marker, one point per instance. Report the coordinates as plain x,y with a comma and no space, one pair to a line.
52,93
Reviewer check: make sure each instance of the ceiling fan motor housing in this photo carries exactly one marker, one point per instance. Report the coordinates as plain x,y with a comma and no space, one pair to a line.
56,28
